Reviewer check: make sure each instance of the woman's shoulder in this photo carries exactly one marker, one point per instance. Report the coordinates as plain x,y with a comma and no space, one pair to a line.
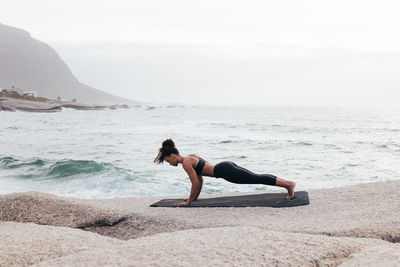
197,157
189,161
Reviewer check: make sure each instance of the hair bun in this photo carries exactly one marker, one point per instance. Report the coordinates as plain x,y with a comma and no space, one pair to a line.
168,144
168,148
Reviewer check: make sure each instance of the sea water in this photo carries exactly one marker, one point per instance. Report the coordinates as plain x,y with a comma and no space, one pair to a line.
110,153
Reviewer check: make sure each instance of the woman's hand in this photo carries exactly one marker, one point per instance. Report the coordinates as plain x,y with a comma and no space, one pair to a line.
186,199
182,204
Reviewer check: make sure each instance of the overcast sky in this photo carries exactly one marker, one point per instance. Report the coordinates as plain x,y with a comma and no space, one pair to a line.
224,52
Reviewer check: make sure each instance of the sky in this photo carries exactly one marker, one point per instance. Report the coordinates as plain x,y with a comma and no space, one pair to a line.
227,52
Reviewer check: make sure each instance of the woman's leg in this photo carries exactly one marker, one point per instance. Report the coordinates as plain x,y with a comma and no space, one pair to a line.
239,175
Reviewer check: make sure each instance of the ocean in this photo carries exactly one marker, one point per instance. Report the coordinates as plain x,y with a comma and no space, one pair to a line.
110,153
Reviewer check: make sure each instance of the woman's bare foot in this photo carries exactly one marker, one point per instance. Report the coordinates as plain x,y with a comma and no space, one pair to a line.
289,185
290,190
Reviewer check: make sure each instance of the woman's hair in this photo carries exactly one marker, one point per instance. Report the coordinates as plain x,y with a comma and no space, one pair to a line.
167,148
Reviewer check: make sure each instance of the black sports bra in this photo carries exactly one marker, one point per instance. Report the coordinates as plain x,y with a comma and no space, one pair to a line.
200,166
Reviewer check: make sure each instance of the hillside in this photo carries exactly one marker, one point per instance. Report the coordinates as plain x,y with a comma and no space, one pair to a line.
35,66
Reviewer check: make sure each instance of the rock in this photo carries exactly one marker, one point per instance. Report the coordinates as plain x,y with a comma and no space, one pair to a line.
367,210
26,244
23,244
47,209
330,231
83,107
47,105
381,255
119,107
135,226
12,104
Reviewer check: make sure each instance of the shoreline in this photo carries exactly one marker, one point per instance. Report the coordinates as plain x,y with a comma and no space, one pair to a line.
49,105
339,226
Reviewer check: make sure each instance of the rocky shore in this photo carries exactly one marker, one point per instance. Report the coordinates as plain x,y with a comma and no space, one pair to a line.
350,226
14,104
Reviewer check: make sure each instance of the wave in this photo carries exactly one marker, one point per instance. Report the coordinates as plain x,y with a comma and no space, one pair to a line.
226,142
11,163
388,129
76,167
45,169
304,143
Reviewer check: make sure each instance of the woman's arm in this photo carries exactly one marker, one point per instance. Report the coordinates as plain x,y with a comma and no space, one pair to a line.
200,178
195,190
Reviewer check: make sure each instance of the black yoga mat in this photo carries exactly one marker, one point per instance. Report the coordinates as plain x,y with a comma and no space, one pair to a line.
276,200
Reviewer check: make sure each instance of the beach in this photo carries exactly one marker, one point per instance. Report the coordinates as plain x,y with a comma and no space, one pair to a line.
346,226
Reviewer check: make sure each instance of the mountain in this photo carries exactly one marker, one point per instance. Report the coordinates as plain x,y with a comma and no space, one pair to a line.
32,65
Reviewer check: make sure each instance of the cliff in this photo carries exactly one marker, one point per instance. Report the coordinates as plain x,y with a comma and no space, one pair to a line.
35,66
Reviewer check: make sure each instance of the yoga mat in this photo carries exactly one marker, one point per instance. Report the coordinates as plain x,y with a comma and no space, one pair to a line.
276,200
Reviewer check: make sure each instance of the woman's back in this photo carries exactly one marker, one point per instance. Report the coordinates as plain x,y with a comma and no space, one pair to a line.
202,167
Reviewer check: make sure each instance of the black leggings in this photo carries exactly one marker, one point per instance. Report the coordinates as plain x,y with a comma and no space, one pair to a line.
238,175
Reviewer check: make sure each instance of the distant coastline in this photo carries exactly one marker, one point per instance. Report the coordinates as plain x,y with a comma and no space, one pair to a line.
12,101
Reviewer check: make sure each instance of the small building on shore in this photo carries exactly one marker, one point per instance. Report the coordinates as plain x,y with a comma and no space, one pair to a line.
30,93
18,91
13,91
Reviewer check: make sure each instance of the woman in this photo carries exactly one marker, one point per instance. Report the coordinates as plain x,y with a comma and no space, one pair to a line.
196,167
